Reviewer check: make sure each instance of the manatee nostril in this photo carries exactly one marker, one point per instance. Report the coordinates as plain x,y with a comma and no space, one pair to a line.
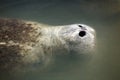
82,33
80,26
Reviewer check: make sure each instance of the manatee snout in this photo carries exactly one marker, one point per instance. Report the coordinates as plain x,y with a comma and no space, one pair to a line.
83,32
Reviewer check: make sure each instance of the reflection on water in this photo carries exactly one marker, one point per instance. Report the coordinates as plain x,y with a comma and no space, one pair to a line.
102,15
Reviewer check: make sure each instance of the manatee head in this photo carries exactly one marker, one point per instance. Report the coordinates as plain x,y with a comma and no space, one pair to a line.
80,38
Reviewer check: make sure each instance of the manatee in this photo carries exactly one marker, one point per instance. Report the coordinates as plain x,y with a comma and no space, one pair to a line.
25,43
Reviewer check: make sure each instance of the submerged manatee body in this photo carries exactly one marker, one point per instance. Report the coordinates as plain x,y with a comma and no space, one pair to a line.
23,43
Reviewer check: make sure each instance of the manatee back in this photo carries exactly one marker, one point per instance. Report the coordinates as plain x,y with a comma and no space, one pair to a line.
14,35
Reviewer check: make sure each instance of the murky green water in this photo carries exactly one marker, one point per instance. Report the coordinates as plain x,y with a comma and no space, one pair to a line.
102,15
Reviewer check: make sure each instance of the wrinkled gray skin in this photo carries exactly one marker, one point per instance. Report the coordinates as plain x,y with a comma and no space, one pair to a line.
24,43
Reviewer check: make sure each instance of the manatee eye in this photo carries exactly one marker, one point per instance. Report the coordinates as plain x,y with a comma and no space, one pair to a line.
82,33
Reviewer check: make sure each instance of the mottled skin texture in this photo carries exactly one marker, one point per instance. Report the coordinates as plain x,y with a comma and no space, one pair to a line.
16,38
25,43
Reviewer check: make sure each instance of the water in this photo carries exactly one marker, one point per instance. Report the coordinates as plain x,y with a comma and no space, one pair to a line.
103,16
